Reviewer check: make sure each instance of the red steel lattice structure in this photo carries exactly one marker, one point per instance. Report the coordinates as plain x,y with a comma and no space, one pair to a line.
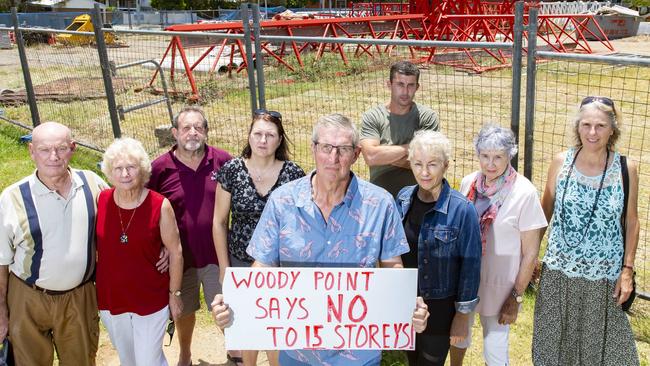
447,20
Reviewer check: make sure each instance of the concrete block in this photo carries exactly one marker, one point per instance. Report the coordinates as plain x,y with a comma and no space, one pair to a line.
164,135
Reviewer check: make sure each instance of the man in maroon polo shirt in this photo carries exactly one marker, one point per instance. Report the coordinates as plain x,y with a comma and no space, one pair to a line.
187,176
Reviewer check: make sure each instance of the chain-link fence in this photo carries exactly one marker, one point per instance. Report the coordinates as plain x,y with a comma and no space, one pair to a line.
462,100
70,88
562,81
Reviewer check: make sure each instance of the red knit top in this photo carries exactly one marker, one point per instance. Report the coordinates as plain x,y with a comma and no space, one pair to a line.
127,278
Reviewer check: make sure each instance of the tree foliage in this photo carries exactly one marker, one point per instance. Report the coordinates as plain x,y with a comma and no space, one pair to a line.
192,4
6,5
296,3
638,3
169,4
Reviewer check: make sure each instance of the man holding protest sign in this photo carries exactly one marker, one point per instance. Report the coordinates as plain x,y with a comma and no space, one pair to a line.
329,218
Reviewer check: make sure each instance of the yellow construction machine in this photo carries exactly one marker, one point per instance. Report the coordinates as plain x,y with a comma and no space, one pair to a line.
82,23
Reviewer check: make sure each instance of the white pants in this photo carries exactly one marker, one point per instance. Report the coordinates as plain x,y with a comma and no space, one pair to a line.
138,339
495,340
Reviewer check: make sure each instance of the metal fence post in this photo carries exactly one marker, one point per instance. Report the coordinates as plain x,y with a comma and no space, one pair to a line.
29,87
106,72
531,74
249,56
259,58
516,75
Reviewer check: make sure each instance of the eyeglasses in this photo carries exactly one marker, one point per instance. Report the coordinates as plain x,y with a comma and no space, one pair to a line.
130,169
343,150
606,101
268,136
59,150
262,111
199,129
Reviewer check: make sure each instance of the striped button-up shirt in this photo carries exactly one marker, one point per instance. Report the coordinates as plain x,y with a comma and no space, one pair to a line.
46,239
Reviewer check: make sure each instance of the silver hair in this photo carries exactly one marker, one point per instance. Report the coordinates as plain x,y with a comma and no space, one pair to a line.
336,120
190,109
495,137
127,148
431,142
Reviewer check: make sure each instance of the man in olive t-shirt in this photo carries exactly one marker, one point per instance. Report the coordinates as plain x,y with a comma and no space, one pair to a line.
386,130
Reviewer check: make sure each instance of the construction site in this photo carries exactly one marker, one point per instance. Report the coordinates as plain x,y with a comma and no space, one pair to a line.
479,62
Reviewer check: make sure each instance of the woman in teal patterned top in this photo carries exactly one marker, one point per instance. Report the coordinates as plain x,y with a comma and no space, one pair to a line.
585,276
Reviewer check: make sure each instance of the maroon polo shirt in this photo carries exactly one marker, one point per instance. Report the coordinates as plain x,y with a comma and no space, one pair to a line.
191,194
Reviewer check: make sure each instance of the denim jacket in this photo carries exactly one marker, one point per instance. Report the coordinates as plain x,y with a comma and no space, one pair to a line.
449,247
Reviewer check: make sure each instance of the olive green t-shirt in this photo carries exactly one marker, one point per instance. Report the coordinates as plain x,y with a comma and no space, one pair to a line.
394,129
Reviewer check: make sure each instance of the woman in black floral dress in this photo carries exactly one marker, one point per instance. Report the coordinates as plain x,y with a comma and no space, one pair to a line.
245,183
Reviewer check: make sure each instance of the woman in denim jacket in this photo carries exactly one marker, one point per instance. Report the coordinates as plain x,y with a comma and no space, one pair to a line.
511,222
442,229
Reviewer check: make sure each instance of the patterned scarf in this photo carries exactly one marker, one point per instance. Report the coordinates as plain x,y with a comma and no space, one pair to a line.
496,193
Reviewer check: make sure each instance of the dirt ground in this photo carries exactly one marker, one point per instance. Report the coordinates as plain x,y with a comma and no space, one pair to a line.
208,344
9,59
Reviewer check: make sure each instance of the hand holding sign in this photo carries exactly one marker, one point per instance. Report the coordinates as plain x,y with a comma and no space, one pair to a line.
221,312
320,308
420,315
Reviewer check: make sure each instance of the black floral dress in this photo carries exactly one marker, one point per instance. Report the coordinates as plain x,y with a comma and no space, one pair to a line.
246,204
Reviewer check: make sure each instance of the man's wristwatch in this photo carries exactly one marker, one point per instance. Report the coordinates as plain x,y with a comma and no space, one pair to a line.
518,298
176,293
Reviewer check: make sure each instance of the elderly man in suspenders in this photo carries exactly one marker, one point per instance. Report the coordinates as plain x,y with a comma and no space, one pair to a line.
47,256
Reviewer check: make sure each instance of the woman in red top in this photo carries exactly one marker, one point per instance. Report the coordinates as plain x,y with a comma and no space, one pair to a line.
133,224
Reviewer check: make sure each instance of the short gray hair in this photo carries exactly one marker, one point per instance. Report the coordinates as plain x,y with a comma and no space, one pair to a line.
336,120
127,148
495,137
431,142
190,109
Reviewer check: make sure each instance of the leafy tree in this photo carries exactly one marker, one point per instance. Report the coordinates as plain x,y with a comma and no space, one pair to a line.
638,3
296,3
6,5
169,4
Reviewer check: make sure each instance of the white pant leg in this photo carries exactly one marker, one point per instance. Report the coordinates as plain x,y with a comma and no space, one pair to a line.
120,330
148,334
495,341
467,342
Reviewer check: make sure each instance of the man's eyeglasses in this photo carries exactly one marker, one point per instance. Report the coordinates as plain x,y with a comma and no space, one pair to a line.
59,150
274,114
606,101
200,129
343,150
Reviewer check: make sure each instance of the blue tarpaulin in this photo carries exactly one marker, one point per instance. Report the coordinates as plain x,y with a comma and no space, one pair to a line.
236,14
55,20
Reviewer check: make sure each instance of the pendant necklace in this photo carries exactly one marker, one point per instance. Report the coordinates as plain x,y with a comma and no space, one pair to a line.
258,176
593,208
124,239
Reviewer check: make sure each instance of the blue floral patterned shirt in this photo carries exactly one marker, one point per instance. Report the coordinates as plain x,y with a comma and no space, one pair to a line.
364,229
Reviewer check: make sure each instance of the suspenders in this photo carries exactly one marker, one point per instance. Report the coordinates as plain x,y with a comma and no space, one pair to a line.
36,233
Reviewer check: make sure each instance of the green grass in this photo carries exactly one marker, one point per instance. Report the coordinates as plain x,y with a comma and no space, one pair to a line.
463,101
16,163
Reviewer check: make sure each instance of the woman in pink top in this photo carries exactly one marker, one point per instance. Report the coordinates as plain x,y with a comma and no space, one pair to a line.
135,300
511,219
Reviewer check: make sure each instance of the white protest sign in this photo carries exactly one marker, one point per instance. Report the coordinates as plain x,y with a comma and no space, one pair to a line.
320,308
